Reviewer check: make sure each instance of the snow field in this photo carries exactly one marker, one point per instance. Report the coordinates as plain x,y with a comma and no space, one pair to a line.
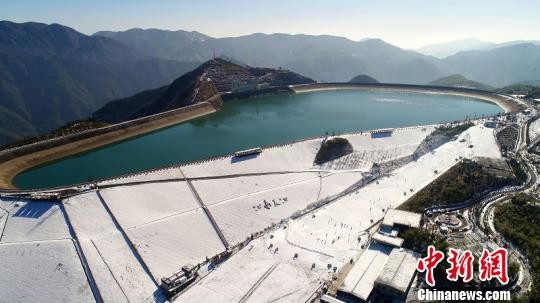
108,286
367,150
406,137
241,217
212,191
99,236
165,224
166,245
363,160
155,175
259,273
294,157
335,227
143,203
328,234
31,221
38,257
279,285
300,155
232,279
534,129
126,269
88,217
483,141
42,271
337,182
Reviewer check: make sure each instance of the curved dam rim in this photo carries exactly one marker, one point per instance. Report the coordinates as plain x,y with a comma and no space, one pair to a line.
113,134
508,104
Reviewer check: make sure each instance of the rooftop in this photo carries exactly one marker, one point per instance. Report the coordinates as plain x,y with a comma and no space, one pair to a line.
399,270
385,239
360,280
401,217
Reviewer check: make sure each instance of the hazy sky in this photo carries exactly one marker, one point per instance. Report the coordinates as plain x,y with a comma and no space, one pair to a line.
406,23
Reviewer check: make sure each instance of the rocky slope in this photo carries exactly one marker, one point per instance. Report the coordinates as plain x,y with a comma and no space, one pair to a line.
209,79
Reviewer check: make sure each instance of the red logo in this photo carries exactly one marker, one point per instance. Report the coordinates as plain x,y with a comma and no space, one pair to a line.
491,265
434,257
461,265
494,265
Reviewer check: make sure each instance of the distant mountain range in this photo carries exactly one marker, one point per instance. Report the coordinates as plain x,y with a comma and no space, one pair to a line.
499,66
52,74
323,58
329,58
460,81
443,50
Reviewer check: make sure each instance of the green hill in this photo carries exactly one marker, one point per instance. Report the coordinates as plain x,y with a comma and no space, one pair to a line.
516,89
460,81
531,82
365,79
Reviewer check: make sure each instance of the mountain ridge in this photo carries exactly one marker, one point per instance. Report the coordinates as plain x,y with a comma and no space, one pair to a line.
147,40
208,80
321,57
499,66
329,58
458,80
52,74
445,49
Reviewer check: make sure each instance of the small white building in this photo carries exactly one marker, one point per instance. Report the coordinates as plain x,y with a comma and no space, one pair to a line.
328,299
387,239
443,229
395,217
361,278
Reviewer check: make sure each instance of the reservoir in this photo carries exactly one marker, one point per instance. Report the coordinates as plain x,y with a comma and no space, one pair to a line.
257,121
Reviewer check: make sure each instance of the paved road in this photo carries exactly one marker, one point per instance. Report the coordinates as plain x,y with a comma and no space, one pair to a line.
525,279
487,206
480,214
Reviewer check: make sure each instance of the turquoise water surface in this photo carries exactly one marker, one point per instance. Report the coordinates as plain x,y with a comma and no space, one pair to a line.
258,121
